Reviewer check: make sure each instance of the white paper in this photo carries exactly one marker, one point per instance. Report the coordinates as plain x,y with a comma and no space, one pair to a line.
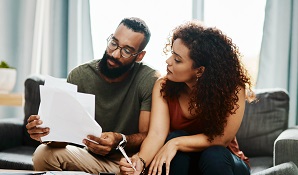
59,84
68,114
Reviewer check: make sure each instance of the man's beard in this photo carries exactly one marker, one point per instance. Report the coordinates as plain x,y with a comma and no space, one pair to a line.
113,73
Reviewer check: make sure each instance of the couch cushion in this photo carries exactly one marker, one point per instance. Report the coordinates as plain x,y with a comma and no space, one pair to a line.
11,133
258,164
18,158
32,101
288,168
263,121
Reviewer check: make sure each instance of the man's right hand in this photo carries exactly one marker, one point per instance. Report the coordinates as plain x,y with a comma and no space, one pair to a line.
32,128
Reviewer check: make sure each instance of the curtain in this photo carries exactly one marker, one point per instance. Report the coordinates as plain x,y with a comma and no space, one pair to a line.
62,37
198,9
279,51
43,37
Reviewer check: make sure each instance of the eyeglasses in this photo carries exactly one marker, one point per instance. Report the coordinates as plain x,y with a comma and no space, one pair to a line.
125,52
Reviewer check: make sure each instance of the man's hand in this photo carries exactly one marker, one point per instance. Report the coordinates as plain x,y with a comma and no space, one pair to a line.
35,132
104,144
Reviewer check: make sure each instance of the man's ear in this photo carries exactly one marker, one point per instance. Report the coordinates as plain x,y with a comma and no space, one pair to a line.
200,71
140,56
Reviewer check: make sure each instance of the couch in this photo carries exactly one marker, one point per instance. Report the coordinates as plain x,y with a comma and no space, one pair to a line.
287,168
264,120
262,136
16,146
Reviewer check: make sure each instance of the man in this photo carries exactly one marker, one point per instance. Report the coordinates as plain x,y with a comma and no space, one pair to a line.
122,87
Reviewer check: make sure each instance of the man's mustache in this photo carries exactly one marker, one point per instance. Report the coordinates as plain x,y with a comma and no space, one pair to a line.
114,60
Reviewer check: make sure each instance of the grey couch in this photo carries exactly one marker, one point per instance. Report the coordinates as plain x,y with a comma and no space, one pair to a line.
264,135
287,168
16,146
258,137
264,120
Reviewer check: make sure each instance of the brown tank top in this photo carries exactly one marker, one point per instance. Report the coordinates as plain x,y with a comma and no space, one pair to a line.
192,126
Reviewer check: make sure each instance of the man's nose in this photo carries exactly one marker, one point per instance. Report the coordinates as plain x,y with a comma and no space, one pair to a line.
117,53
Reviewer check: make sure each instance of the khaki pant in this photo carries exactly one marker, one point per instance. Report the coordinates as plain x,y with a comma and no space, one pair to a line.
73,158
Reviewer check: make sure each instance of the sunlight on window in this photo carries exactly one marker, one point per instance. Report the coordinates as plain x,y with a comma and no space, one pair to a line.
160,16
243,22
240,20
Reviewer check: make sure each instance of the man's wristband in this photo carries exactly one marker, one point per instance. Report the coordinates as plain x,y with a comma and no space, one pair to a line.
123,142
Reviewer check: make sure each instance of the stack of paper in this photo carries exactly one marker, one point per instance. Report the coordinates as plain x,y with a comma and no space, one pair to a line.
68,113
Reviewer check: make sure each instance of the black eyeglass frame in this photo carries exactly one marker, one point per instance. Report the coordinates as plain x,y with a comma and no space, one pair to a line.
111,38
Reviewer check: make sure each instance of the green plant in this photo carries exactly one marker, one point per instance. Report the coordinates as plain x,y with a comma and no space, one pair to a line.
3,64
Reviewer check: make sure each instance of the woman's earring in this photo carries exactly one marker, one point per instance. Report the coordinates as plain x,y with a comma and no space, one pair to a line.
200,72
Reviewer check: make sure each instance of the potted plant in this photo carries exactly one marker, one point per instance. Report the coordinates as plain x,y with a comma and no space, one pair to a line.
7,77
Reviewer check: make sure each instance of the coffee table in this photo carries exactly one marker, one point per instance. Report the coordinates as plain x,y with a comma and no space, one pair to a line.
29,172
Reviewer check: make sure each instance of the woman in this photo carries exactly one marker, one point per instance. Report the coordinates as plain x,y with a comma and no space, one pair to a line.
197,108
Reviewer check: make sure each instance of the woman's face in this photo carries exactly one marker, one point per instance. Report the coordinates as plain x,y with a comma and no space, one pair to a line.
179,67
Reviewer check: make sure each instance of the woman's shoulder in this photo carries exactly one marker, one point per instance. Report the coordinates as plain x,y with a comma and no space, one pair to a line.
161,80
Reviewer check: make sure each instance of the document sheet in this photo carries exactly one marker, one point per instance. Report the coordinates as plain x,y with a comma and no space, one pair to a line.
68,113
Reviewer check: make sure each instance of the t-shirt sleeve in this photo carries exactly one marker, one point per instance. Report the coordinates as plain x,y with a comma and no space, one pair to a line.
76,75
146,86
70,77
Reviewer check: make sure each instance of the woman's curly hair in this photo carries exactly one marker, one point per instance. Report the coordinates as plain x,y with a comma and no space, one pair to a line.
214,96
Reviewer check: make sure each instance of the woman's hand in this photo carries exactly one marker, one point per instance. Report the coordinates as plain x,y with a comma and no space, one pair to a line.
125,167
164,156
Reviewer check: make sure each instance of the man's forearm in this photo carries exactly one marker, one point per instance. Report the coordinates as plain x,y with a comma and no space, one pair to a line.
134,141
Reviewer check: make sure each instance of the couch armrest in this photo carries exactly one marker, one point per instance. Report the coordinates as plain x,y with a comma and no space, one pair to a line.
285,147
11,133
288,168
32,101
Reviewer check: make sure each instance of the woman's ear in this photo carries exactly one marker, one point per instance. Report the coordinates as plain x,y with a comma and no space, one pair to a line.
200,71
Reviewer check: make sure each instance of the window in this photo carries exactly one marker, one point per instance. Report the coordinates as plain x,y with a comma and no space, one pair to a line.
160,16
243,22
240,20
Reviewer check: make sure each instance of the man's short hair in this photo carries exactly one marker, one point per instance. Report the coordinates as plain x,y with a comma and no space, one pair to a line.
138,25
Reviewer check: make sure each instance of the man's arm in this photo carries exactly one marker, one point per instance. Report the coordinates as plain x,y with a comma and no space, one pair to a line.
134,141
110,140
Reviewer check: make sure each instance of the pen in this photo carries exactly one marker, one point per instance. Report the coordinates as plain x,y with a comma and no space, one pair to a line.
126,157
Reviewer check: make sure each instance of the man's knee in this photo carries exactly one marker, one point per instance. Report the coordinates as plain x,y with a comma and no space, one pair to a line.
41,152
43,157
